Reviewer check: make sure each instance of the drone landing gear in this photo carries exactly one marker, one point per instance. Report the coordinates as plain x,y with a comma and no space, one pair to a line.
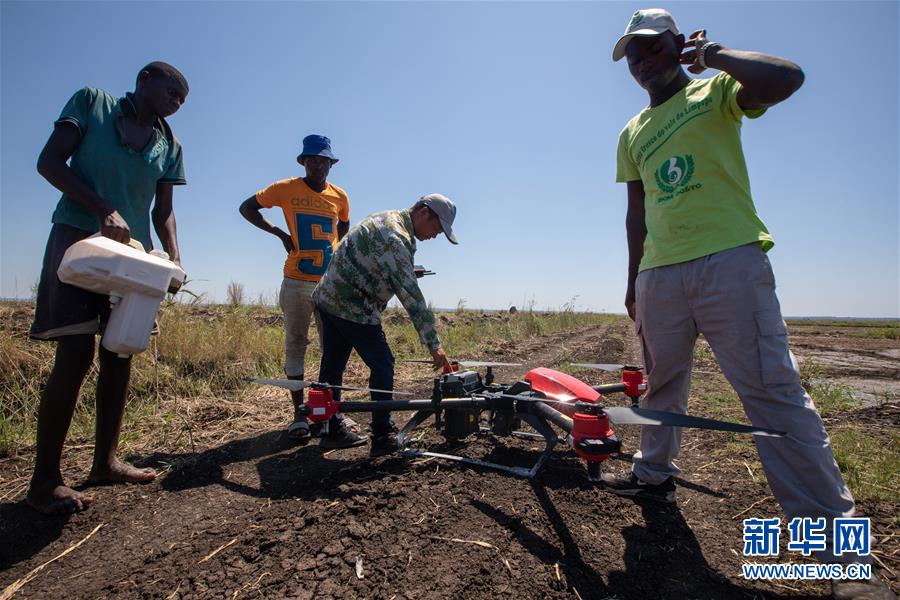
544,431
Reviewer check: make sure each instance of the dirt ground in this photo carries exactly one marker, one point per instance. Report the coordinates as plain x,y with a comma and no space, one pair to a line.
253,517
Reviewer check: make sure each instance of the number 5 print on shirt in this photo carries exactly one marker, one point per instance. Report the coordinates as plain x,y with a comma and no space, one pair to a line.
314,233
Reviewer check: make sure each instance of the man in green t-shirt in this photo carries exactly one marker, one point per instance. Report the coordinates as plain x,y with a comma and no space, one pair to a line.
697,262
113,158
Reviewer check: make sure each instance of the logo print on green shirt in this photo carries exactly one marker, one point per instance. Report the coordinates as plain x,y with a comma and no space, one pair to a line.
675,171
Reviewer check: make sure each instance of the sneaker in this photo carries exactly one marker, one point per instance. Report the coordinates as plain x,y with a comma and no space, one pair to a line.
384,442
630,485
340,437
867,589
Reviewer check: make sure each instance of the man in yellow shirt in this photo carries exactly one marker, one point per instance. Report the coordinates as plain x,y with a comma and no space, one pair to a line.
697,264
317,214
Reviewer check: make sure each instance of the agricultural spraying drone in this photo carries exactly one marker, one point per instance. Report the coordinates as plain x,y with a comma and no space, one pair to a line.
547,400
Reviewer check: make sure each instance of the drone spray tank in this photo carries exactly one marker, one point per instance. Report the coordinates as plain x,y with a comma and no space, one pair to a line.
135,281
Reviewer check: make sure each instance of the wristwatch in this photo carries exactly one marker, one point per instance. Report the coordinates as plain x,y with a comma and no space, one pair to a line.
701,53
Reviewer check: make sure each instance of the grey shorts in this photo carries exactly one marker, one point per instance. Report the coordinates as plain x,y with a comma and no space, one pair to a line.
62,309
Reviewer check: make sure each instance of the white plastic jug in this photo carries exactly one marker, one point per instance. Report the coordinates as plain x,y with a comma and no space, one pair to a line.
135,281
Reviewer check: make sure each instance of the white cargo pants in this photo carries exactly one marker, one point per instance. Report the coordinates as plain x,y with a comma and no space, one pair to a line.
730,298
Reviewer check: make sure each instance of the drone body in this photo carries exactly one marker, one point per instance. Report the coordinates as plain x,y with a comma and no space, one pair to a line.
558,406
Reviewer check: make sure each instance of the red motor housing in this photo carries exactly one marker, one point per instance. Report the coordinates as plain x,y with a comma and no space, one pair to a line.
322,405
634,382
592,437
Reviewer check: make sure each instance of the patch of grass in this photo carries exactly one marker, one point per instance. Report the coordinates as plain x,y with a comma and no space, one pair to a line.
886,333
571,369
703,354
472,334
194,357
843,322
830,398
193,372
717,403
23,368
214,354
869,460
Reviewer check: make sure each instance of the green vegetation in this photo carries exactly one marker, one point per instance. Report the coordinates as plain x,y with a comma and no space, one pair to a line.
192,377
830,398
193,372
851,323
886,333
869,458
720,402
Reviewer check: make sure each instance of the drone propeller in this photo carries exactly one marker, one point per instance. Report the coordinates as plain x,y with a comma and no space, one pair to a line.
608,366
624,415
295,385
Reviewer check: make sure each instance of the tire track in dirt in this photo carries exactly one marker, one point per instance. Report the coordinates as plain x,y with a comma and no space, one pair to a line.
607,342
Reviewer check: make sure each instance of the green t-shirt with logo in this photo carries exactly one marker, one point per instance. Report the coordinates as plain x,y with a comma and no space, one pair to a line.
687,152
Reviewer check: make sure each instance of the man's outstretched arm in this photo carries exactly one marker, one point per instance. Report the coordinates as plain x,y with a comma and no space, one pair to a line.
397,261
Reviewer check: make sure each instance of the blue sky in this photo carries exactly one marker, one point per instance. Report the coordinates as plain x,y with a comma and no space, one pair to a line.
511,109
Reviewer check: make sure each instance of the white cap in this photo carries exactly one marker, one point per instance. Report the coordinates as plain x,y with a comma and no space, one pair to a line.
444,208
645,22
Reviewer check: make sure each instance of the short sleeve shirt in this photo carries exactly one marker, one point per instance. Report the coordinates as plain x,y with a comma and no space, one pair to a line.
126,179
687,152
312,219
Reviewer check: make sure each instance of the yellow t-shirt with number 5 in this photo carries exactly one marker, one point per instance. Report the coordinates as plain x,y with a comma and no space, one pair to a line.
687,152
312,219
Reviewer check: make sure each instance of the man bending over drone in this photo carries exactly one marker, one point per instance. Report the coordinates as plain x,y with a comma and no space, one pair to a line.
371,264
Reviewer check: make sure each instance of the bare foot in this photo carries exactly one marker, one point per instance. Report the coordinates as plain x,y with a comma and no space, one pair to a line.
119,472
57,499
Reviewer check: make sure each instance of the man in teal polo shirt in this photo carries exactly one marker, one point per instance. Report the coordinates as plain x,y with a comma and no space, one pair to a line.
697,263
123,155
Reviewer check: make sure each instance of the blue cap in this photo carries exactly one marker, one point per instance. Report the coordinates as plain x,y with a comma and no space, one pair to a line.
317,145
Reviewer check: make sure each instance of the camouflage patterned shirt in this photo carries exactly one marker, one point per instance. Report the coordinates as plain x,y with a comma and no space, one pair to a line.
371,264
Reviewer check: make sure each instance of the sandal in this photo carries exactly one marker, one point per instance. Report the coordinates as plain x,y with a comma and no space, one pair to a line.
298,432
